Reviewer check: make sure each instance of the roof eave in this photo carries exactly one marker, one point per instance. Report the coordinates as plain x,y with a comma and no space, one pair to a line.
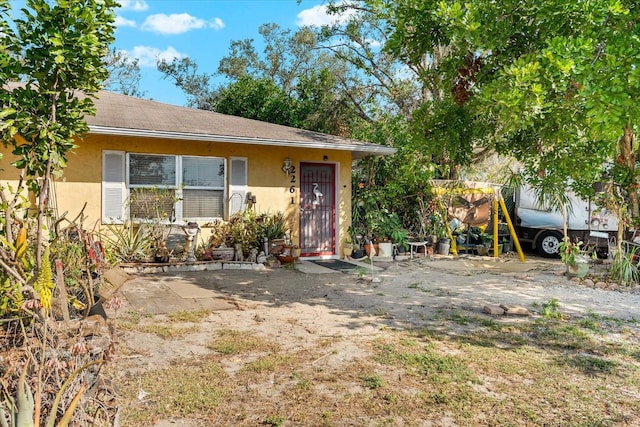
359,150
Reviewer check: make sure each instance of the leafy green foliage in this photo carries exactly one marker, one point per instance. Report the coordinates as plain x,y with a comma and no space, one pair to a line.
245,229
624,268
550,309
129,242
372,381
259,99
57,47
548,82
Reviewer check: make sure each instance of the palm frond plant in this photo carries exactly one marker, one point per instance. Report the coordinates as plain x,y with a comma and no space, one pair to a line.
272,225
624,268
128,242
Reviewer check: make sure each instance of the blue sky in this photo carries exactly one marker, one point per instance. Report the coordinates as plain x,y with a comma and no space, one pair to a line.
201,30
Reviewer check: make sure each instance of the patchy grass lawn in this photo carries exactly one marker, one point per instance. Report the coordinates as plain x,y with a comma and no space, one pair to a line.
547,370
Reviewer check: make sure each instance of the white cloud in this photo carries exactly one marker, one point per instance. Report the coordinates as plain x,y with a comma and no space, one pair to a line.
136,5
148,56
318,16
124,22
178,23
373,43
217,24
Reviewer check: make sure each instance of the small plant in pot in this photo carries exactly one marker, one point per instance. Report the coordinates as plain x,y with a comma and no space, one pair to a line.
400,237
357,238
347,247
220,244
571,255
487,241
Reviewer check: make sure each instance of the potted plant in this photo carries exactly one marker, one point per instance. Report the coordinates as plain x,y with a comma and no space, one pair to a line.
506,245
571,255
371,247
400,237
347,247
487,240
295,251
220,244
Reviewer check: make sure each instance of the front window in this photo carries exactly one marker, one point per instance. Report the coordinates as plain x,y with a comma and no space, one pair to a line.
175,187
203,187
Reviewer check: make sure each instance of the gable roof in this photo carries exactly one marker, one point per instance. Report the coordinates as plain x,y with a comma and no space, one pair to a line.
128,116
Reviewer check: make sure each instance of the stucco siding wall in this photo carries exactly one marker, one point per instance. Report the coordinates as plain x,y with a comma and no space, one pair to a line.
83,177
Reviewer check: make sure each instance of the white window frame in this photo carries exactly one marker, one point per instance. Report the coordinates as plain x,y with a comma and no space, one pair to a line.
223,188
173,186
177,186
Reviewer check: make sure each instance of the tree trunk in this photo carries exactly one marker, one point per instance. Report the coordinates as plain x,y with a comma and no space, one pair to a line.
43,202
628,159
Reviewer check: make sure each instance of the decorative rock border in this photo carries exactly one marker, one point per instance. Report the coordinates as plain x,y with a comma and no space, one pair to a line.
150,268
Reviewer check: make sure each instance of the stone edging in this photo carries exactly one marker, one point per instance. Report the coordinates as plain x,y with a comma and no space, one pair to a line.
147,268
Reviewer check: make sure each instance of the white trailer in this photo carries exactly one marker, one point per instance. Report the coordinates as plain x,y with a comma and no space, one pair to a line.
543,227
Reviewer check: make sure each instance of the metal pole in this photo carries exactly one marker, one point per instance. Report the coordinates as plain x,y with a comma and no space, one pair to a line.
511,229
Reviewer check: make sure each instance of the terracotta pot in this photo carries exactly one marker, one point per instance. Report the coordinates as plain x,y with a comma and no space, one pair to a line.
369,246
286,259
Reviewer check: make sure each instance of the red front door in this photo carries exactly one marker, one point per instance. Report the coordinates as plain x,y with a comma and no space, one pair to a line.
317,209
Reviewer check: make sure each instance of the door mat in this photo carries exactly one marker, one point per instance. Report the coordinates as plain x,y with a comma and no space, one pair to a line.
335,264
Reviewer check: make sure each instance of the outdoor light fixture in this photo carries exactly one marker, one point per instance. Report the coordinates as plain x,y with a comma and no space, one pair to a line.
287,166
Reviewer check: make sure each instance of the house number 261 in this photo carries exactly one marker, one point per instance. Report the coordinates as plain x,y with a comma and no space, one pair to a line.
292,178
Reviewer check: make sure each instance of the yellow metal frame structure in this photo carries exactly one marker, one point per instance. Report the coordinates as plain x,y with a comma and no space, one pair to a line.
498,203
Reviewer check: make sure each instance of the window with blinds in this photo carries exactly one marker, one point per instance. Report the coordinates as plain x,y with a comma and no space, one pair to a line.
163,187
203,180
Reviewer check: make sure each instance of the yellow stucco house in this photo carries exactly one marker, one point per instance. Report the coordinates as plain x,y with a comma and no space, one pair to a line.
216,164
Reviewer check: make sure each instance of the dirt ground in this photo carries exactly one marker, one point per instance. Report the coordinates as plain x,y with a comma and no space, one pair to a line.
295,309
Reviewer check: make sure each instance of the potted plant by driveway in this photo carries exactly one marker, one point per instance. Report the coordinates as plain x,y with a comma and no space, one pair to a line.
347,247
371,247
570,254
400,237
487,240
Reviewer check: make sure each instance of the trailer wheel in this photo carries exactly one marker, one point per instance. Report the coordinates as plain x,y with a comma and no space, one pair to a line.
548,243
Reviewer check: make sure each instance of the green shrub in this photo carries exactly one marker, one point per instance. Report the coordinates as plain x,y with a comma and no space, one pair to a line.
128,242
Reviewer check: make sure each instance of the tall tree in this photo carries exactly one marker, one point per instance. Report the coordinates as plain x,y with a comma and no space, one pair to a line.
259,99
287,55
375,80
185,75
57,50
547,81
292,82
124,74
409,72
